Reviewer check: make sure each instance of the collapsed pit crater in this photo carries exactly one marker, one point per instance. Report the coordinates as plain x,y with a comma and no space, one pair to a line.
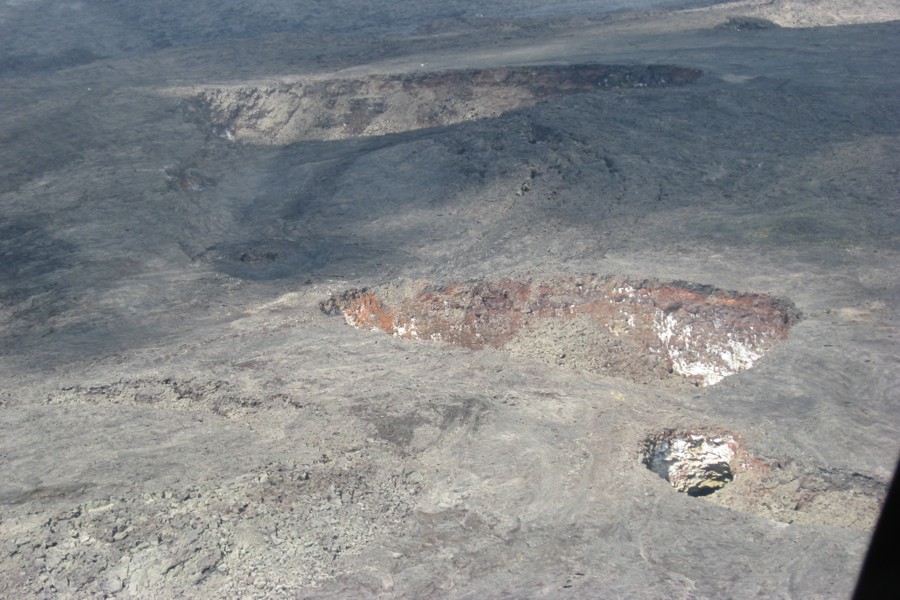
697,464
716,465
646,331
331,108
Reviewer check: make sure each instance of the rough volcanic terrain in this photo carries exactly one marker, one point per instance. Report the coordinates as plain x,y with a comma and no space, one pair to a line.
444,299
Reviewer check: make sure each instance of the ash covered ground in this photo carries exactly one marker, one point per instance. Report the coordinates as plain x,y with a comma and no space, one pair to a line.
414,300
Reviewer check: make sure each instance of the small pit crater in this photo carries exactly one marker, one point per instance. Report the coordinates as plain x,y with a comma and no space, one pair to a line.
697,464
646,331
319,108
715,465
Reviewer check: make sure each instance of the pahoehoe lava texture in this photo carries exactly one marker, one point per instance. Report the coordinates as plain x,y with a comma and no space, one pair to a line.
645,331
328,109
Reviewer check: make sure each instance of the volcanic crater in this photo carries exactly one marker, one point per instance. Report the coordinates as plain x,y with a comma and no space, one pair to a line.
330,108
646,331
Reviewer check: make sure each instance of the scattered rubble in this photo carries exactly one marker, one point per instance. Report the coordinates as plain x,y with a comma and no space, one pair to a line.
152,545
